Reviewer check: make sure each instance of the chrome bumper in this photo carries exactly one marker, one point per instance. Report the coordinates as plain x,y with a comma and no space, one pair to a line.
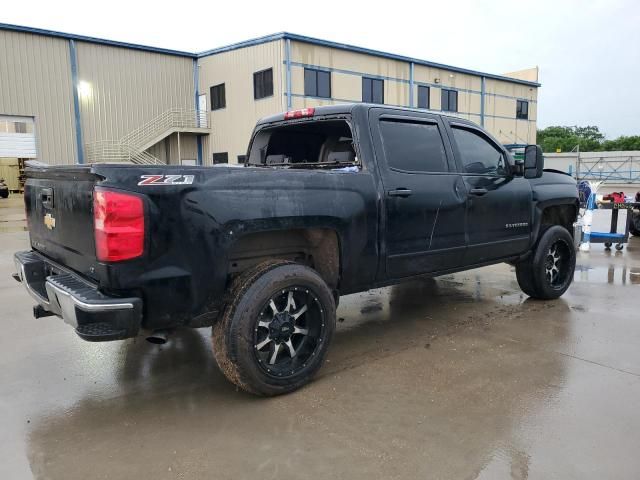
77,302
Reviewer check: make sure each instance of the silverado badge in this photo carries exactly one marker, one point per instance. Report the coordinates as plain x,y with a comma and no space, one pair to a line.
50,221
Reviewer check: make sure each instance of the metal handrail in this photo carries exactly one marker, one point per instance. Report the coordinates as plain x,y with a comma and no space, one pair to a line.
623,169
130,148
172,118
113,151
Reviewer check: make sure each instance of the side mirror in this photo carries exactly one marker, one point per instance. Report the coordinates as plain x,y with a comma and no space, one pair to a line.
533,161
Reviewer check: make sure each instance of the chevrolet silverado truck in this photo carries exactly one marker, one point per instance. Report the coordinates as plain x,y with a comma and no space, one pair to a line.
331,201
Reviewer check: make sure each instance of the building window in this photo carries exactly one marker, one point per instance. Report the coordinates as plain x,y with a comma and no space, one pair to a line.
522,109
449,100
372,90
317,83
218,97
221,157
423,96
263,84
242,159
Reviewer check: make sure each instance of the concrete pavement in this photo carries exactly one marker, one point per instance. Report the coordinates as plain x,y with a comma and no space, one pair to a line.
461,377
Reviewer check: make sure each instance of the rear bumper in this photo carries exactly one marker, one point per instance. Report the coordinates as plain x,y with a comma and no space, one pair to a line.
96,317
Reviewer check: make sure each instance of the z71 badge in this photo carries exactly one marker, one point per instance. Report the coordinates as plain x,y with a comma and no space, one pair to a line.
166,180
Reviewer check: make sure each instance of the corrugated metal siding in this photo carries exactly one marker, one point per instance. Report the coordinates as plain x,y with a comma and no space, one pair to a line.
35,81
232,126
128,88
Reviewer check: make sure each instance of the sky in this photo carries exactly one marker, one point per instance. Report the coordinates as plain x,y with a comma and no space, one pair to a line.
588,52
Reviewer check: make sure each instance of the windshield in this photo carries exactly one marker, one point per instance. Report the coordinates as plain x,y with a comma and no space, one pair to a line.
319,144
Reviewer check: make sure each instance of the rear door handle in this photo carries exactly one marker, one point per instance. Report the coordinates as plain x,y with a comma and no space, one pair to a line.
478,191
400,192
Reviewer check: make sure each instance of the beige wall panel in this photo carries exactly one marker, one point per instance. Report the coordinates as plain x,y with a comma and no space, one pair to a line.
159,150
511,131
129,88
343,60
303,102
510,89
446,78
35,81
533,111
396,93
231,127
188,148
345,87
503,107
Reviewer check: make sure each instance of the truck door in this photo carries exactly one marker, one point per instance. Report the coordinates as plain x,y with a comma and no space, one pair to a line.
424,197
499,203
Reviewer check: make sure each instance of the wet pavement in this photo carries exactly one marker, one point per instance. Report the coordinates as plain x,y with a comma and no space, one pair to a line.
461,377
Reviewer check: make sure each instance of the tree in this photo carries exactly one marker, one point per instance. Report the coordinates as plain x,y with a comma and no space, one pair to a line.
588,138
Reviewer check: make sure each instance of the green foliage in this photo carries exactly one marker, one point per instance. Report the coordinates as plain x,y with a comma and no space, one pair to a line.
589,138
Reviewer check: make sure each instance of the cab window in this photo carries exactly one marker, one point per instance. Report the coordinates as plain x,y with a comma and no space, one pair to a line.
479,156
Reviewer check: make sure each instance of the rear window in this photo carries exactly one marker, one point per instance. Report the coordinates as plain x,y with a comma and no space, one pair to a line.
318,144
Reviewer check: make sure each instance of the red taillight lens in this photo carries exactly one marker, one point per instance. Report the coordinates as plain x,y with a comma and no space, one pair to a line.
303,112
118,220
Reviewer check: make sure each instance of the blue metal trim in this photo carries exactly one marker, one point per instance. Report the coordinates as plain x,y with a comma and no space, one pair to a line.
196,89
244,44
76,100
482,98
196,83
287,48
411,84
102,41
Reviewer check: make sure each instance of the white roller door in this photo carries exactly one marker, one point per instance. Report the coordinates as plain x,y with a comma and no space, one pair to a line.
17,137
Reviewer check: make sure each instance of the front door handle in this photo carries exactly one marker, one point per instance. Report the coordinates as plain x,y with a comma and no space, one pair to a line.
400,192
478,191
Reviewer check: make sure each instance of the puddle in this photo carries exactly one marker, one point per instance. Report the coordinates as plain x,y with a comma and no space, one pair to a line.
614,275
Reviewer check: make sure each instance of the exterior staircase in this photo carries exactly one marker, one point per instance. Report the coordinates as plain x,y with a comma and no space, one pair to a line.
132,147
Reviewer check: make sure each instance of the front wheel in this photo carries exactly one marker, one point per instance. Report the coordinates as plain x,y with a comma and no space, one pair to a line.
276,329
634,227
548,271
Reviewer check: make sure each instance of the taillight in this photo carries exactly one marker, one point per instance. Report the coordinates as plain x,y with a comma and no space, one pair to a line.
118,221
303,112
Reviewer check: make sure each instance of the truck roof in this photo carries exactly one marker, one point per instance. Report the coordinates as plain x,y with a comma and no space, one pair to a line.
348,108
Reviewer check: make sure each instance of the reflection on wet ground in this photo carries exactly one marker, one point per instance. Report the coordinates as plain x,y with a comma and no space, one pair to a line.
458,377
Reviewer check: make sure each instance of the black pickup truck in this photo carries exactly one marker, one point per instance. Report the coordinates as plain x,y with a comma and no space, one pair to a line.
333,200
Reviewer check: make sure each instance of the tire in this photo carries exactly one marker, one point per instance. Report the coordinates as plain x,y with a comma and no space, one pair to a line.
548,272
276,308
4,193
634,227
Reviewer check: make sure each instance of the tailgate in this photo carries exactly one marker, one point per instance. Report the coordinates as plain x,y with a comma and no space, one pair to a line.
59,208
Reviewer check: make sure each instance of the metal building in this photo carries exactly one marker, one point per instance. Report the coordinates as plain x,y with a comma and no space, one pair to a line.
67,98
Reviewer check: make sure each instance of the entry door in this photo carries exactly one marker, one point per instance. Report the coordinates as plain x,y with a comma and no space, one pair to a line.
202,110
425,198
499,207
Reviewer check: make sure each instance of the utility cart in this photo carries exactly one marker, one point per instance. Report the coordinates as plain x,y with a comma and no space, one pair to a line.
611,237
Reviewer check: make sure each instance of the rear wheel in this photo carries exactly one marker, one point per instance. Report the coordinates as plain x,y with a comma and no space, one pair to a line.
275,332
548,271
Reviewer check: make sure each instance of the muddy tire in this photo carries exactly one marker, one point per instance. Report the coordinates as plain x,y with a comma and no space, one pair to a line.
634,226
276,329
548,271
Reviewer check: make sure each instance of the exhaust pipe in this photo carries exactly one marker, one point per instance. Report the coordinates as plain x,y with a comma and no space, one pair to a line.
158,337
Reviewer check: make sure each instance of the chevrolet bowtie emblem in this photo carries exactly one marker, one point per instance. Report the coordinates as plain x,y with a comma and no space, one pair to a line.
49,221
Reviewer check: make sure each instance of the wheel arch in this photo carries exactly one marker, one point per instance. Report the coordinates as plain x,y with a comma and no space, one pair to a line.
316,247
563,213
